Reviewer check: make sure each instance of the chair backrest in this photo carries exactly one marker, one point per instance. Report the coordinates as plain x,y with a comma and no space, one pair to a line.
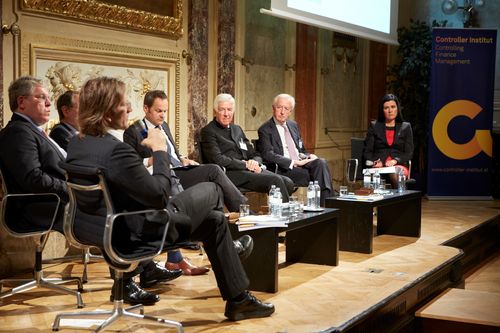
355,170
90,220
21,212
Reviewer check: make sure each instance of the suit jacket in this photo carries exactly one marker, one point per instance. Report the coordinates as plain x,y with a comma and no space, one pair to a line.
29,160
61,133
231,151
376,146
133,136
270,146
29,163
130,184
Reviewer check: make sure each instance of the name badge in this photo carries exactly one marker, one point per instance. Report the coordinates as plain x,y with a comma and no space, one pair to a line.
300,144
243,145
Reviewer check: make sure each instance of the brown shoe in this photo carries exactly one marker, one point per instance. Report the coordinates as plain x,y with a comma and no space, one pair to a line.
187,267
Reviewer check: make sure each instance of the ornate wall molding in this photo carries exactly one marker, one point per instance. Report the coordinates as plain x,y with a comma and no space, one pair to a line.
102,12
66,63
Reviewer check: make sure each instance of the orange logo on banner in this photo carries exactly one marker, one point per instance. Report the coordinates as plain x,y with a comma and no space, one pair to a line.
482,140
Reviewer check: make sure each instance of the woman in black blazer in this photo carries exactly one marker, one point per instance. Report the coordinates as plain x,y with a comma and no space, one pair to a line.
389,140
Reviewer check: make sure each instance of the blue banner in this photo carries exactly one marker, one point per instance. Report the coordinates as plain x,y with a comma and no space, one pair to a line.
461,113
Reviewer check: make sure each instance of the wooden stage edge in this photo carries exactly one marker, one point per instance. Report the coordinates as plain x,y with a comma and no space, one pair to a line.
377,292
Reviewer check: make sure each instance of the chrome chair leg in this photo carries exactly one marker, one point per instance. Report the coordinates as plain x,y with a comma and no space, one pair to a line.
116,314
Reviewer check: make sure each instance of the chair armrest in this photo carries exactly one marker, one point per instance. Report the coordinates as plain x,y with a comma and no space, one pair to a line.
10,226
146,255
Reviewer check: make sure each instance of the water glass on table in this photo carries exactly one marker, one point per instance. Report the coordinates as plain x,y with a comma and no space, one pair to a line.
244,210
342,190
294,205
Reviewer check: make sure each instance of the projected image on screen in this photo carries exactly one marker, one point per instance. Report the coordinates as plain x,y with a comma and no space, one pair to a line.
370,19
375,15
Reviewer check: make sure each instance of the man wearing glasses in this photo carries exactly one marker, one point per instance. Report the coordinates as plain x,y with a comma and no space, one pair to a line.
280,143
28,157
225,144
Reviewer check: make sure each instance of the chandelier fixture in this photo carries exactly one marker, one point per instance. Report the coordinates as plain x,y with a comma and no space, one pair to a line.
467,11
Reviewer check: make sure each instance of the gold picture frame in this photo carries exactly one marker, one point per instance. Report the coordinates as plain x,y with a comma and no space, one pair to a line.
66,64
162,17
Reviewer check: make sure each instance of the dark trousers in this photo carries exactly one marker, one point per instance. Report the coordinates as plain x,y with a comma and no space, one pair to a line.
314,170
261,182
212,173
201,205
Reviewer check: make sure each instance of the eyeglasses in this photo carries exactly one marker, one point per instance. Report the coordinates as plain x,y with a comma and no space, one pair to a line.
40,97
282,107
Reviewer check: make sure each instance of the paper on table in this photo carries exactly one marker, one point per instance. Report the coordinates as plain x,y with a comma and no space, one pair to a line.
391,169
260,221
352,197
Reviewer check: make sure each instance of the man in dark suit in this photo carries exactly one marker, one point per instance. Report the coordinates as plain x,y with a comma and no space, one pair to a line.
67,108
29,160
28,157
225,144
189,172
195,213
280,144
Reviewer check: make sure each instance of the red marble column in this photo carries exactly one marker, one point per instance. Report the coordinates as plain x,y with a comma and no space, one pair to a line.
305,82
226,42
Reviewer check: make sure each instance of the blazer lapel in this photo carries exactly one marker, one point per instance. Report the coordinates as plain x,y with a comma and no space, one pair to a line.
237,138
39,134
276,137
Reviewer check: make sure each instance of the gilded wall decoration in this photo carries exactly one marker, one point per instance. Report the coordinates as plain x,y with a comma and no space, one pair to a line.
61,76
159,16
66,64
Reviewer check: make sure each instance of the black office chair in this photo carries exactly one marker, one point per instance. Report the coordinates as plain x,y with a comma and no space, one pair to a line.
91,221
356,164
19,227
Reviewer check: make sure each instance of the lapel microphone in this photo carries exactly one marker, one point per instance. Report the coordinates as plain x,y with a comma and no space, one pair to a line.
142,129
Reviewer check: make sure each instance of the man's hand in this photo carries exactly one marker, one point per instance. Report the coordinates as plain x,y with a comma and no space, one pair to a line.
253,166
187,161
391,163
304,161
377,164
155,140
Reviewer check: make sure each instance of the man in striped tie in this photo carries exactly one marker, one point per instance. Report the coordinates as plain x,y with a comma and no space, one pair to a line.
280,143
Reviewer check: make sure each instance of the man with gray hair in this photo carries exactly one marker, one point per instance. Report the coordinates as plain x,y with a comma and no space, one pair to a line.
28,157
280,143
225,144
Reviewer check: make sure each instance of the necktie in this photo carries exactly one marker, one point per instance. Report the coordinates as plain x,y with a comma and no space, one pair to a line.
292,152
174,161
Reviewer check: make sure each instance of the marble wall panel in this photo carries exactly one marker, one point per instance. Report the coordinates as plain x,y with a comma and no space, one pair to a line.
265,49
197,71
342,87
226,42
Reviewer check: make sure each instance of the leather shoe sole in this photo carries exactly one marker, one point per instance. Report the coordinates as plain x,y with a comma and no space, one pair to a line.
243,246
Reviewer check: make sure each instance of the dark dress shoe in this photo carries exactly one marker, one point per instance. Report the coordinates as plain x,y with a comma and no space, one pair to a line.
133,294
157,274
243,246
250,307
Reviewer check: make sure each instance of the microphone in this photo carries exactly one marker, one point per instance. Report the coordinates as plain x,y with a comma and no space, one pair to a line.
142,129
